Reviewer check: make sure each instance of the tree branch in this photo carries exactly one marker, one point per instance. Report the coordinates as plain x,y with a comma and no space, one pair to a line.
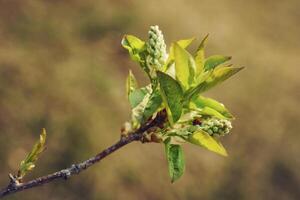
14,186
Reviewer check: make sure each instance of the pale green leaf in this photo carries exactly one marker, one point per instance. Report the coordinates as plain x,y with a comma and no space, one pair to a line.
202,102
204,140
138,111
131,83
175,160
29,162
183,44
136,96
214,61
152,105
172,95
211,112
217,76
200,56
185,66
134,46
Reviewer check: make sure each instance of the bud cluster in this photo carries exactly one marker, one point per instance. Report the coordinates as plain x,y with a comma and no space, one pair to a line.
216,127
156,47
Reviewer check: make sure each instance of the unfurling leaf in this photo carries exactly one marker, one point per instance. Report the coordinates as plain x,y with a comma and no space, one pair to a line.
137,96
214,61
200,56
218,75
185,66
131,83
202,102
182,43
207,111
145,105
204,140
172,95
152,105
175,159
134,46
29,162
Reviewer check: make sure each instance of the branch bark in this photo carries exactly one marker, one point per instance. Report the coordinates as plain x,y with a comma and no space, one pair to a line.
138,135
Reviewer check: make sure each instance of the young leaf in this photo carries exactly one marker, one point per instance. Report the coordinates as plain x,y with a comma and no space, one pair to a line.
218,75
204,140
211,112
185,66
172,95
202,102
175,159
214,61
131,83
138,111
183,44
200,56
137,96
134,46
29,162
152,105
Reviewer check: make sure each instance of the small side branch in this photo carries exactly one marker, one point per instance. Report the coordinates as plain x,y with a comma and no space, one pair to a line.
15,186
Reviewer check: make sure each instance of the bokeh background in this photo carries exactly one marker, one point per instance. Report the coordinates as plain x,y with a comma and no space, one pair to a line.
62,68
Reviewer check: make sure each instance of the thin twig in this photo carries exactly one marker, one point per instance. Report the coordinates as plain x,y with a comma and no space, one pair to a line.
138,135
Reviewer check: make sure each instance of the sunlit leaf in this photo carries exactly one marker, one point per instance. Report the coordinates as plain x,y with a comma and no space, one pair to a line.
172,95
202,102
200,56
217,76
204,140
134,46
185,66
207,111
214,61
183,44
175,159
131,83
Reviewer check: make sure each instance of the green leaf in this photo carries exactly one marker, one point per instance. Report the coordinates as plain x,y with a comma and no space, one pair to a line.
131,83
28,163
147,106
207,111
185,66
202,102
217,76
204,140
200,56
172,95
138,111
134,46
175,159
152,105
183,44
137,96
214,61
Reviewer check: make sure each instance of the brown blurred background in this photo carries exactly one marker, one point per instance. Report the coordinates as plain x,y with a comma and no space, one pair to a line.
62,68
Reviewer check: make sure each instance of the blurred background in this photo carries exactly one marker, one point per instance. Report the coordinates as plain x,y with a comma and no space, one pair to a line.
62,67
